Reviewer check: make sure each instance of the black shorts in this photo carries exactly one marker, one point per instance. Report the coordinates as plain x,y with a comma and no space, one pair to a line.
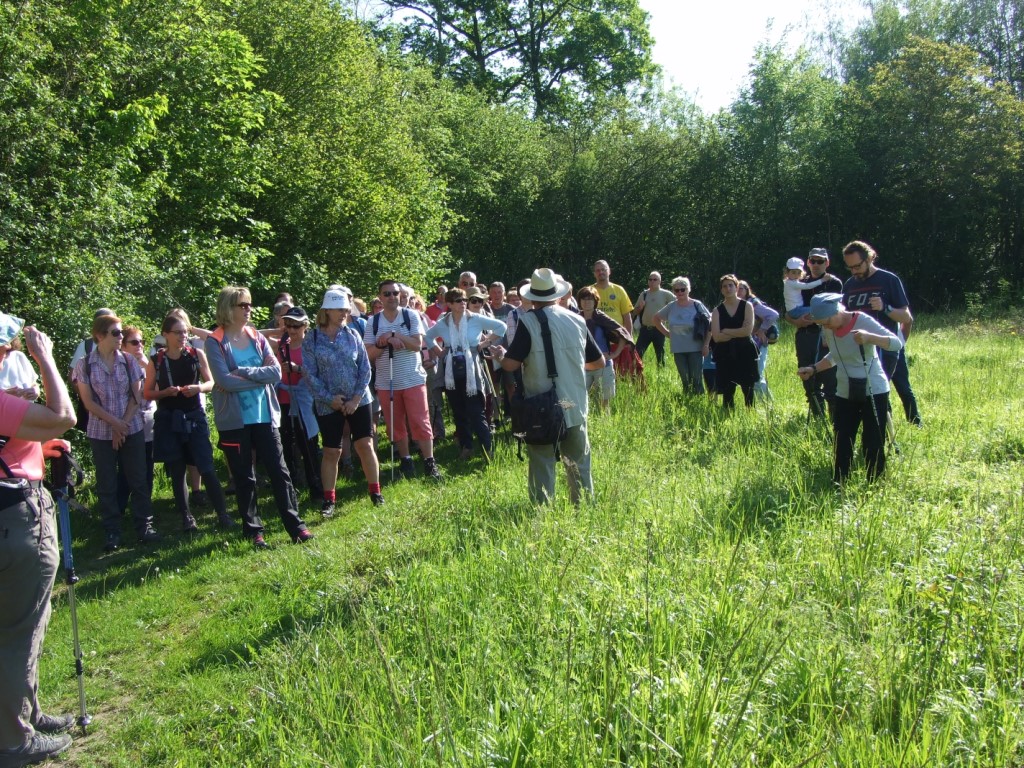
332,426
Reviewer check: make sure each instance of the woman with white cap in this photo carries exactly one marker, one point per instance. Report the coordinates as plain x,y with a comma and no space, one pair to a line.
336,369
862,389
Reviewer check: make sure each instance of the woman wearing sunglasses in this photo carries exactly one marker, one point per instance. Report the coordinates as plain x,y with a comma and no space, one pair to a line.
455,339
109,383
175,378
299,429
132,343
687,323
248,415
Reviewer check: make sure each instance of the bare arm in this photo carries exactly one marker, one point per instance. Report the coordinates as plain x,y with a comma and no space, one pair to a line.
46,422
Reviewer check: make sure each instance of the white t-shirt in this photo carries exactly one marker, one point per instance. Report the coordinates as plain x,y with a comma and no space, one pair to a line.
405,370
792,291
17,371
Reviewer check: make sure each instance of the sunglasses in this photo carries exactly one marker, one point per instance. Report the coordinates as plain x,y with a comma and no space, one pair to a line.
817,260
244,305
476,301
134,342
181,332
457,301
858,265
294,325
681,290
386,294
117,333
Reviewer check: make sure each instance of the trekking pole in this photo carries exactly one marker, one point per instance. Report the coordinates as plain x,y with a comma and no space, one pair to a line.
883,429
61,468
391,407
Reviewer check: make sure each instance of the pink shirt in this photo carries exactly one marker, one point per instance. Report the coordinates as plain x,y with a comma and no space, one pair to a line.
24,457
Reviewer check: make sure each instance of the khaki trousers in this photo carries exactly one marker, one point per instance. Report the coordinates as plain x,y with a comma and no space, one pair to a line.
28,566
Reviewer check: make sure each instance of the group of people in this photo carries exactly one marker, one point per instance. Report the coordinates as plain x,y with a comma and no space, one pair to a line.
328,379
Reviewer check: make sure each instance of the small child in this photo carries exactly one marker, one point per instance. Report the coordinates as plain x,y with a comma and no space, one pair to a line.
792,286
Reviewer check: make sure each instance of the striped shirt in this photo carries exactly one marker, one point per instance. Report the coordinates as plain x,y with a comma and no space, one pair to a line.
405,370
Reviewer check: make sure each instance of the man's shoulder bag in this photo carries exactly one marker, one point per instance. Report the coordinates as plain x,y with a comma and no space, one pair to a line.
540,419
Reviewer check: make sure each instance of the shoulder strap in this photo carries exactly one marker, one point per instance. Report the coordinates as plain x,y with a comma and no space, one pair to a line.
376,324
549,353
406,321
3,464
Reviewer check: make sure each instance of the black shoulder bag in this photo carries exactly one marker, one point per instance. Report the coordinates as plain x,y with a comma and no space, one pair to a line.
540,419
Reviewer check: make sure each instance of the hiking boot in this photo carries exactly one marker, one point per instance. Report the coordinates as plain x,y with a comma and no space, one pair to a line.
198,499
465,454
407,468
150,536
327,509
188,525
304,535
347,469
39,748
224,521
259,543
377,499
433,471
113,542
54,723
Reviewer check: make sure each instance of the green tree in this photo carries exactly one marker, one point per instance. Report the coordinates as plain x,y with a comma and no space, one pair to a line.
940,141
552,54
352,198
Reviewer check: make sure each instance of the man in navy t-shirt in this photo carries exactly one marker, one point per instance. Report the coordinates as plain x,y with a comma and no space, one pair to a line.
880,294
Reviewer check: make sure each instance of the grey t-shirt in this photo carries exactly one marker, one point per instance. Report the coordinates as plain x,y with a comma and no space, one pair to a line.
680,322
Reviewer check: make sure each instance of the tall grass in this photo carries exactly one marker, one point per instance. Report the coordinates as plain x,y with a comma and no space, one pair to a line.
718,604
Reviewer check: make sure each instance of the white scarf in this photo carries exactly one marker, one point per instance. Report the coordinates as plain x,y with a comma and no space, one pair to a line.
459,341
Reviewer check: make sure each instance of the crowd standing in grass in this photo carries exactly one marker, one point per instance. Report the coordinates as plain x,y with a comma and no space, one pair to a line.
294,396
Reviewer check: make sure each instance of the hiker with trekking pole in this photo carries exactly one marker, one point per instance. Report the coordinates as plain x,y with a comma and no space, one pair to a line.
29,534
394,340
862,389
336,371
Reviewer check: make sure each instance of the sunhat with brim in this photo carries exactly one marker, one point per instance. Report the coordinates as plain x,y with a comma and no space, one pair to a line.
825,305
335,299
296,314
795,263
545,285
476,292
10,326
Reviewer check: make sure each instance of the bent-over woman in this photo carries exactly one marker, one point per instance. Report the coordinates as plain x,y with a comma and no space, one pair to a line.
245,409
862,388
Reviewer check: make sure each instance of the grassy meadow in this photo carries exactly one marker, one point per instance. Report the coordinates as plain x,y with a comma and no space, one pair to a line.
719,604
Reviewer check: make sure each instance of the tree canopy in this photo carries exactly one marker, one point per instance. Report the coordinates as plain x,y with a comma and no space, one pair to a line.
151,152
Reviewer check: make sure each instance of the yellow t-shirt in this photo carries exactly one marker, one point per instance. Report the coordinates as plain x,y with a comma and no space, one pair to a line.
614,301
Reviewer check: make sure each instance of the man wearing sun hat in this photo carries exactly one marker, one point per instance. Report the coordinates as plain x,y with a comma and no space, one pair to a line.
575,351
